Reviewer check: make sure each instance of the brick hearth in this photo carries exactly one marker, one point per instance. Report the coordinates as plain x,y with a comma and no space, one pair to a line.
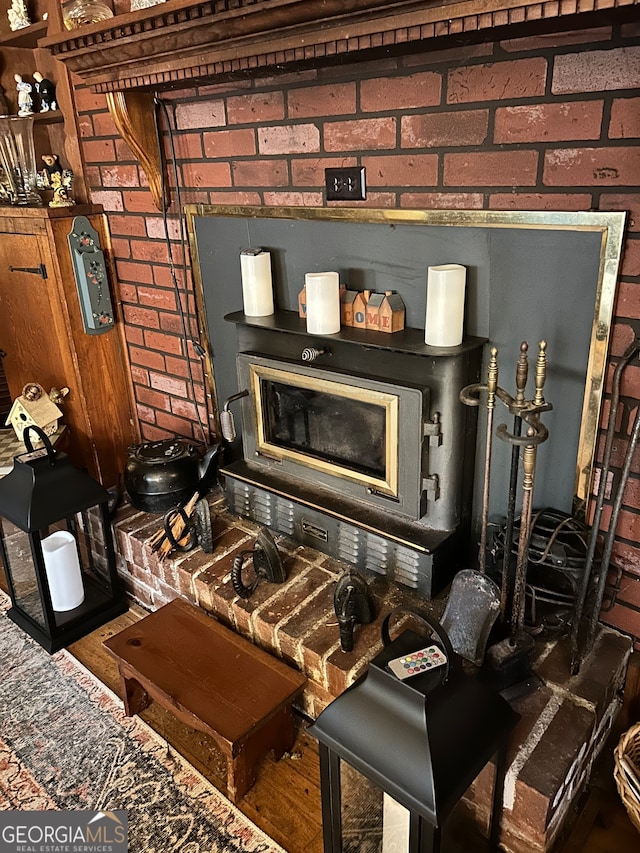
564,722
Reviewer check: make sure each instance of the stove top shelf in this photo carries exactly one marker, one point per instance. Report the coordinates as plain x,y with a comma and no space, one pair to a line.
410,341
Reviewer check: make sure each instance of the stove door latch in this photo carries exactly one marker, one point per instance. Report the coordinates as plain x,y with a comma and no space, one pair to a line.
433,430
431,485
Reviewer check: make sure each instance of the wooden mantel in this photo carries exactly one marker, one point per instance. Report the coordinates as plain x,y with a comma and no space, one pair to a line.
179,42
182,40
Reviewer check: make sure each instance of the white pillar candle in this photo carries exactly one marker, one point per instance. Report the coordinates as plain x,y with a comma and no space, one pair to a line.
395,825
257,287
445,305
63,570
323,302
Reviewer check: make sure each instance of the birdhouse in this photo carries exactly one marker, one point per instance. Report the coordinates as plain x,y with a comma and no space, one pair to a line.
392,313
373,311
33,408
347,298
360,309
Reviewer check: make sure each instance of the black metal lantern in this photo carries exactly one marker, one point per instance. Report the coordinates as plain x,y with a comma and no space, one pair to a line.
56,547
419,741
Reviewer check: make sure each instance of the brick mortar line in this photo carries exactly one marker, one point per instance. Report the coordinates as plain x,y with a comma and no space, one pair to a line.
325,657
301,645
544,654
294,612
581,772
194,578
566,693
560,690
524,753
256,612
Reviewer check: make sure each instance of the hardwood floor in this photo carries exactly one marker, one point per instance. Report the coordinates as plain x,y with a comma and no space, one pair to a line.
285,800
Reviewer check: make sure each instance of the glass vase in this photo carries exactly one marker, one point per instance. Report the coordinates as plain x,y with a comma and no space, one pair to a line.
77,13
18,159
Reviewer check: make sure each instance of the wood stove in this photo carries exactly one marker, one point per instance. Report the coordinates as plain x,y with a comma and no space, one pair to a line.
365,453
520,286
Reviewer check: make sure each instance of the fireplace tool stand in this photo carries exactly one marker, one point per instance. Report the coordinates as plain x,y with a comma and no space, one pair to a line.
599,577
510,657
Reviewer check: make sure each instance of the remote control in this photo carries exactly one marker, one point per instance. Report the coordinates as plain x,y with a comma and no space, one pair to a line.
418,662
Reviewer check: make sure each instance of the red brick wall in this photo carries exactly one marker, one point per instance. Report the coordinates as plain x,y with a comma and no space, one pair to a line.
533,123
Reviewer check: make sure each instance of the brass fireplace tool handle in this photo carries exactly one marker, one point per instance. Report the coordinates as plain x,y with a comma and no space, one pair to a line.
527,411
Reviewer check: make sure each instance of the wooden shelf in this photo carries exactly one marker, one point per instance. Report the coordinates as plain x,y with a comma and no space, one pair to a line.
410,341
50,117
27,37
56,131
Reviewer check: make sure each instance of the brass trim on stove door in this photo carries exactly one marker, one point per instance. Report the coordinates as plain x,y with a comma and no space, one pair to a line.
389,402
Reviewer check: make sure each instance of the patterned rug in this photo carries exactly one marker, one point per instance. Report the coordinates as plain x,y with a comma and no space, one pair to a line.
65,744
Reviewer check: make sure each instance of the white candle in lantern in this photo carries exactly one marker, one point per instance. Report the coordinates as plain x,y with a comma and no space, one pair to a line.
445,305
323,302
257,287
395,825
63,570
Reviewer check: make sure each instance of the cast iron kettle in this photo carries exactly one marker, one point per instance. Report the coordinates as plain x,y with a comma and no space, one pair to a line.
160,475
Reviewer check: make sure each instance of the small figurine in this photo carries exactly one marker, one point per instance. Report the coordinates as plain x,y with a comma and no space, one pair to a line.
144,4
46,92
57,179
25,101
57,395
17,14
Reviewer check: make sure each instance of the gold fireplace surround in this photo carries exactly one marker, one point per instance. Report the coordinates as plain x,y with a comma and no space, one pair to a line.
608,225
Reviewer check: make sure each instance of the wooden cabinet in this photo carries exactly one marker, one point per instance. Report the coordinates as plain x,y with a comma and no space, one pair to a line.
55,132
42,334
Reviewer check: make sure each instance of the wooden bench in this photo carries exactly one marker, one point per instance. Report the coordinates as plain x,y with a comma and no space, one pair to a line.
213,680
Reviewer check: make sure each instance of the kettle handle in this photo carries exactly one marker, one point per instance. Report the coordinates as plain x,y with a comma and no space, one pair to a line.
435,628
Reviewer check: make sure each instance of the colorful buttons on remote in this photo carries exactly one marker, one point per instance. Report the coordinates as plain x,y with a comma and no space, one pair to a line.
418,662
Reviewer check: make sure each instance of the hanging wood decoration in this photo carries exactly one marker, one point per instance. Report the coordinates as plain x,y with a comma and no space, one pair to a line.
91,277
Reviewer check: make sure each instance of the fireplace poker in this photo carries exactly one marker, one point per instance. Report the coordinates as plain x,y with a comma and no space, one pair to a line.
492,384
470,396
613,522
576,655
520,581
508,567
